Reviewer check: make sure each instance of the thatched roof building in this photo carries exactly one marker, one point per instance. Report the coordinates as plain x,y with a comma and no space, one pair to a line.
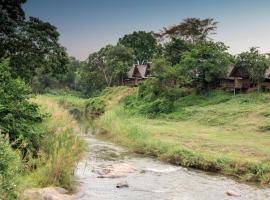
136,74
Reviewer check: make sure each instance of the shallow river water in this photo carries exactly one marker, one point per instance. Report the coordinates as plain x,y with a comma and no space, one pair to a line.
153,180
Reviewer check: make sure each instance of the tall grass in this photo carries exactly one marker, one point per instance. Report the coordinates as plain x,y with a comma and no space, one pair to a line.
132,132
60,150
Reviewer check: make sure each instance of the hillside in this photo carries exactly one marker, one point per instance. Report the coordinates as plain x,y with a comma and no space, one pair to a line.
215,132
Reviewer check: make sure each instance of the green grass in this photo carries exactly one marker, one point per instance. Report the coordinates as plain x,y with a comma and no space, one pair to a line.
60,150
214,132
219,132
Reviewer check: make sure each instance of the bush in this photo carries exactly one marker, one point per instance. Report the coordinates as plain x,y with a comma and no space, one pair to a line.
18,117
94,108
9,170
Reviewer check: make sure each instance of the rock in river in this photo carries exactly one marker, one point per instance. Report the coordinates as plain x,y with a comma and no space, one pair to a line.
122,184
116,170
233,193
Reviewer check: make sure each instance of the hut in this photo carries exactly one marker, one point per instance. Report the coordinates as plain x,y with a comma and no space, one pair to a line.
136,74
266,84
236,80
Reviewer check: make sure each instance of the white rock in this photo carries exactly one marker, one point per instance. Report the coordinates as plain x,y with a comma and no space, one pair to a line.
116,170
233,193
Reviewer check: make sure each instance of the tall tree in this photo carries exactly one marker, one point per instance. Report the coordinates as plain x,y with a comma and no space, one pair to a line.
144,45
191,29
11,16
111,61
37,49
206,62
174,50
31,44
254,63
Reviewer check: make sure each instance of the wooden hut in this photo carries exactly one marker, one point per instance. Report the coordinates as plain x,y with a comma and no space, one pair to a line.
266,84
236,79
136,74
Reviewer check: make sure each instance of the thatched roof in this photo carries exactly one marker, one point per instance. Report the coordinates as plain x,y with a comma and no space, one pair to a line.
232,70
267,73
142,69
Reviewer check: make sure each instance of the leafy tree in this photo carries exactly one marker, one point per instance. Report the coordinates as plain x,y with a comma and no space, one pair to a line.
11,15
162,70
119,59
205,63
89,80
37,51
254,63
191,29
111,61
18,117
31,45
175,49
144,45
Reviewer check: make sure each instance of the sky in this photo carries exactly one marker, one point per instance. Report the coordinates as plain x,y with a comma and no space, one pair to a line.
87,25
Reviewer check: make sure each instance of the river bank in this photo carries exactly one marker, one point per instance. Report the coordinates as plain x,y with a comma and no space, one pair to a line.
61,148
236,147
152,179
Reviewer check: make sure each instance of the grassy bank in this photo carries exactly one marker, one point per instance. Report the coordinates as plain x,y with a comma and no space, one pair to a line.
214,132
60,150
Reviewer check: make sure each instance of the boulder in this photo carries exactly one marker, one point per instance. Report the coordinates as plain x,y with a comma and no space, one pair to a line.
233,193
122,184
116,171
50,193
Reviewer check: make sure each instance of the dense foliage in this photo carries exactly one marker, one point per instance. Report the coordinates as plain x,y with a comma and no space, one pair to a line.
254,63
143,43
9,170
18,117
206,62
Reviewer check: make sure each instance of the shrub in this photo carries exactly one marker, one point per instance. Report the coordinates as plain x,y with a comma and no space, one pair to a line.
18,117
9,170
94,108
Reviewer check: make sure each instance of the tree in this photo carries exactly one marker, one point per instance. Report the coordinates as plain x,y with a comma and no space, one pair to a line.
111,61
206,62
37,51
254,63
191,29
144,45
120,59
174,50
11,16
163,70
89,79
31,45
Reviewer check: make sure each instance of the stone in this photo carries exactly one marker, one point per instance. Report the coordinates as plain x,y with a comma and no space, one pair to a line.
116,171
122,184
233,193
31,194
49,193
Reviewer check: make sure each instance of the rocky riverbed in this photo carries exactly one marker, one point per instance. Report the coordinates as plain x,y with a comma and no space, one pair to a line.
110,172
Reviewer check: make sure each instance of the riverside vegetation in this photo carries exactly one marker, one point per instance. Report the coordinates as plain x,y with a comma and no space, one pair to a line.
215,131
185,123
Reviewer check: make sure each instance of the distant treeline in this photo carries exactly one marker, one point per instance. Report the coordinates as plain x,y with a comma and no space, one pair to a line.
182,53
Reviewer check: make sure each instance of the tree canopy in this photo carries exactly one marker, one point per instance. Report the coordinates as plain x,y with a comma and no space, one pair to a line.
31,44
254,63
144,45
191,29
206,62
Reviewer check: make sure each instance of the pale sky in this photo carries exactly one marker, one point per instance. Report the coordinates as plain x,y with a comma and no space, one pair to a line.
87,25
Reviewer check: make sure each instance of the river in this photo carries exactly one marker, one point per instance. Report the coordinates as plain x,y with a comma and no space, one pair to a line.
153,180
